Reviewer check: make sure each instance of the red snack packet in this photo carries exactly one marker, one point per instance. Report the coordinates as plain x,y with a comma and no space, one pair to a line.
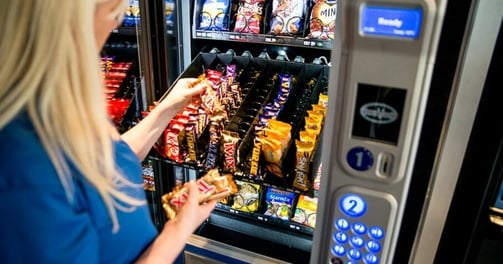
249,16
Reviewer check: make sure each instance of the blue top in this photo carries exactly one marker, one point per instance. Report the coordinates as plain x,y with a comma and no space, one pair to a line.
39,225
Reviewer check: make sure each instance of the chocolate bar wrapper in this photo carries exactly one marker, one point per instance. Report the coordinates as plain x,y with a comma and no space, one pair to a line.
212,186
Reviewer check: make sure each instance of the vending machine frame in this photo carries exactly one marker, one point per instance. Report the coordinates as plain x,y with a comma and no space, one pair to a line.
459,49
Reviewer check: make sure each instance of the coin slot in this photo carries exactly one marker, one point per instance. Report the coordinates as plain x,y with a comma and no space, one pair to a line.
385,165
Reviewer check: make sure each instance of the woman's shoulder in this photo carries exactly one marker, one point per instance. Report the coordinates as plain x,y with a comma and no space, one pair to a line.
23,160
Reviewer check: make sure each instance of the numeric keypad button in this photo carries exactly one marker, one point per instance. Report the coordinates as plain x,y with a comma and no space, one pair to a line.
359,228
371,259
340,237
376,232
373,246
338,250
342,224
356,241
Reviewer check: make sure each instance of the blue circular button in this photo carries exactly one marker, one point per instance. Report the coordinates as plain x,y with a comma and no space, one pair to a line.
354,254
373,246
340,237
338,250
359,228
371,259
376,232
360,159
353,205
357,241
342,224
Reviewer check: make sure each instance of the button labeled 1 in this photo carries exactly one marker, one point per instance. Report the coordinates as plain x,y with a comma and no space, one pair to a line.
360,159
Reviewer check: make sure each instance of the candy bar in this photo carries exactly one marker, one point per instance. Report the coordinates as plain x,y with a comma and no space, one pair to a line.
212,186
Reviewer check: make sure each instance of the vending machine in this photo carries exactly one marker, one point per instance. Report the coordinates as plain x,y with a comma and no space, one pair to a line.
401,84
387,65
287,71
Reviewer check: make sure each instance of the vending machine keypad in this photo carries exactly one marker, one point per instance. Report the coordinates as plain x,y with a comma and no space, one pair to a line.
380,81
357,238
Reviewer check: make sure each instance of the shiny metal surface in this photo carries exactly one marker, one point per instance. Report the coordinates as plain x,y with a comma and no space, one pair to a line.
479,43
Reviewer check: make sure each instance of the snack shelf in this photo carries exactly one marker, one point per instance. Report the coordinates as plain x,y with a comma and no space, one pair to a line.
267,220
126,31
265,194
259,85
222,226
264,39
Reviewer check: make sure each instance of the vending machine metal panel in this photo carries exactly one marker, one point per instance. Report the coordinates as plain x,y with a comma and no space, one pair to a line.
463,195
378,90
369,166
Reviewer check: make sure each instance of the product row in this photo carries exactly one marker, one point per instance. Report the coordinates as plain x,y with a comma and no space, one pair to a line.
313,19
260,120
271,204
119,87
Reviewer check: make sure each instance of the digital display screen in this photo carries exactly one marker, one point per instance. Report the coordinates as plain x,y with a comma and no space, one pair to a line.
378,113
391,21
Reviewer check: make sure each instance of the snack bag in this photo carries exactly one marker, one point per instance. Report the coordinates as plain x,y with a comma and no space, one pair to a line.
275,139
305,211
279,203
287,17
247,197
322,22
249,16
215,15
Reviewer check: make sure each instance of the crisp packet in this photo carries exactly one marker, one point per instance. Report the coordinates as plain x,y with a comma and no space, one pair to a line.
279,203
288,16
322,22
249,17
247,198
215,15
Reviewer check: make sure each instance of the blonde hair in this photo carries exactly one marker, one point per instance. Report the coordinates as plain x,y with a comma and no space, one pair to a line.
51,70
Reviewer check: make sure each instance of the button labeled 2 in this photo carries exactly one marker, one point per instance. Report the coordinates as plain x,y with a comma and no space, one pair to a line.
353,205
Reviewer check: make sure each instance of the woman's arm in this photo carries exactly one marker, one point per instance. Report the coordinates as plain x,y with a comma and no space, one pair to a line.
170,242
142,137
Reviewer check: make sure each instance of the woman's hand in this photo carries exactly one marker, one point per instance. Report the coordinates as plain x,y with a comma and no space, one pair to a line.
176,232
192,214
182,94
142,137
